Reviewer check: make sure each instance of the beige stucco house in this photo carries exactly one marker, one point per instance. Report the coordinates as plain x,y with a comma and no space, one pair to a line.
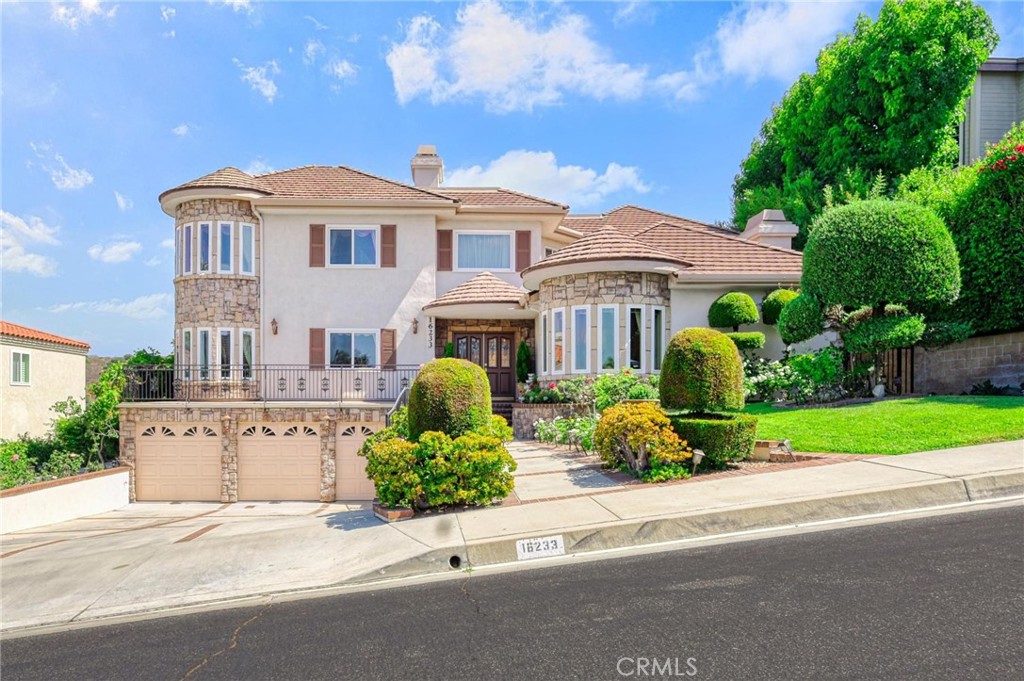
995,105
38,370
307,299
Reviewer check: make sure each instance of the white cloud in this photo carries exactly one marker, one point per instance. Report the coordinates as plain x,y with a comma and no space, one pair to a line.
314,48
633,12
258,166
167,13
260,78
63,176
123,202
118,251
538,173
74,15
169,34
16,235
514,62
144,307
316,23
181,130
342,69
153,262
239,5
168,243
779,40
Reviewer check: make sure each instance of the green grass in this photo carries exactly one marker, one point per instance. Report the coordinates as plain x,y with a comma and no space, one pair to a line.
894,426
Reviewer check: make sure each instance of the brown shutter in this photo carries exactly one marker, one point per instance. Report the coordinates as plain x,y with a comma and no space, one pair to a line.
444,250
316,349
387,348
388,246
316,245
522,250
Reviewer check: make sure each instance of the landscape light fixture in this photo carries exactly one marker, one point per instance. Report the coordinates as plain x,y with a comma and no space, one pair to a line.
698,456
273,326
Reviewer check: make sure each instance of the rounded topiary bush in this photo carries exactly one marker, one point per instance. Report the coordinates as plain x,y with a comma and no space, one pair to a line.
731,310
747,340
449,395
878,334
721,438
801,319
872,253
702,372
773,303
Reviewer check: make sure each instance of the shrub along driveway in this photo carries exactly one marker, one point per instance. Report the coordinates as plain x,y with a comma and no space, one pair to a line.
897,426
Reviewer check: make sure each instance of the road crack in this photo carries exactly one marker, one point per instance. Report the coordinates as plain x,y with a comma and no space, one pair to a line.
231,646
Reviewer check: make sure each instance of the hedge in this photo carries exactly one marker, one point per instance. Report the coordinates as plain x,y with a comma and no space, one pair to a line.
702,372
773,303
452,396
731,310
747,340
802,319
878,334
721,438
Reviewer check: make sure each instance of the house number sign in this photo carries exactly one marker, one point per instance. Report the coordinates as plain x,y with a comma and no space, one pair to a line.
430,332
540,547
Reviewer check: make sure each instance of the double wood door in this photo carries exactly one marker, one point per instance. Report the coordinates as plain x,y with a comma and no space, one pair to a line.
493,352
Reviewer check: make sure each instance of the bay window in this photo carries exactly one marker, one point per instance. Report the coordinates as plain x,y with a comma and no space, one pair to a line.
204,247
247,249
608,337
558,341
224,247
635,338
186,265
657,337
581,339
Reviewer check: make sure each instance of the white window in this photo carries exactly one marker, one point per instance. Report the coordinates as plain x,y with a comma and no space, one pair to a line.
186,351
608,338
186,264
353,246
247,245
224,247
203,352
247,351
476,251
544,342
657,337
558,341
177,251
225,338
635,338
353,348
204,247
21,365
581,339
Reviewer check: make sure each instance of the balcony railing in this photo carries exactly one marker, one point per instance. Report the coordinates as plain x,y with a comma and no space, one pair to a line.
267,382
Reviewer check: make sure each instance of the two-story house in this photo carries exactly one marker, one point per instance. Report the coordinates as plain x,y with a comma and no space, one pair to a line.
307,299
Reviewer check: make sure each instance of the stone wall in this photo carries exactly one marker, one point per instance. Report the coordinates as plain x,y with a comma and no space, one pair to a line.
604,288
955,368
525,415
233,419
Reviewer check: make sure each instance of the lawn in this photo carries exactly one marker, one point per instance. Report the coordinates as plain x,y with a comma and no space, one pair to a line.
894,426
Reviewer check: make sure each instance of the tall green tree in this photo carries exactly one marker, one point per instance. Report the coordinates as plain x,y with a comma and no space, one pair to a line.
884,99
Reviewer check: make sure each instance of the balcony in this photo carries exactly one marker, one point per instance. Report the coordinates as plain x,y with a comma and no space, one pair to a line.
267,383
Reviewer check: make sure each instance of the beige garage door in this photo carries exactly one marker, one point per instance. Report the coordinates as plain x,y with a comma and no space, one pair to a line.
177,462
279,462
350,468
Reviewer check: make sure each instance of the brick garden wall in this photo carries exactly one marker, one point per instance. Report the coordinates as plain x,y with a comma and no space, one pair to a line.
955,368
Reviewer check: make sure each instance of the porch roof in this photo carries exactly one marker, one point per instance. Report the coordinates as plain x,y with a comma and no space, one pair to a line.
483,294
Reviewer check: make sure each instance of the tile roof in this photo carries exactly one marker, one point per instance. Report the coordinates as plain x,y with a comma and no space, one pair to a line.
629,219
713,251
496,196
483,288
225,178
606,244
19,331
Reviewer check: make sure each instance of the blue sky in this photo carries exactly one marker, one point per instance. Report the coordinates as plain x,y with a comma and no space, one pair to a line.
597,104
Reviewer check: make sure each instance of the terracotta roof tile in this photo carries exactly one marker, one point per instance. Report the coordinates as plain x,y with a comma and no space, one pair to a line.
483,288
630,220
496,196
340,182
225,178
716,252
606,244
19,331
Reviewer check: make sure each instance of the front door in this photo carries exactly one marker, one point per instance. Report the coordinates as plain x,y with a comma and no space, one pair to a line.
493,352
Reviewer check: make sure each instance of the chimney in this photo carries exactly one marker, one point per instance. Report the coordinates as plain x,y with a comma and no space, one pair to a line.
427,167
771,228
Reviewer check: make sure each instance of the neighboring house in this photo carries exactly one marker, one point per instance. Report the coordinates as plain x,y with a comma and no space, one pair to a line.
39,370
307,299
996,104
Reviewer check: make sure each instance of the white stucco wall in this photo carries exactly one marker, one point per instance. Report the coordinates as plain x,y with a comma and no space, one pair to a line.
69,499
55,374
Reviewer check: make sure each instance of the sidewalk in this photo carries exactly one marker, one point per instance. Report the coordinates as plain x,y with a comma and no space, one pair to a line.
149,556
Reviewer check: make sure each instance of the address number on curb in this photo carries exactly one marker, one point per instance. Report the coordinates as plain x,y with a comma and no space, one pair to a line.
540,547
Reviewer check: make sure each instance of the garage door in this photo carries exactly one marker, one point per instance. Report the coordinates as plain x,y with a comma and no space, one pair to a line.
279,462
350,468
177,462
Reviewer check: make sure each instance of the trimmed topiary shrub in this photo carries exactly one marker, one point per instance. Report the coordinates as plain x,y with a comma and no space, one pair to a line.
801,319
722,438
878,334
773,303
731,310
524,362
874,253
452,396
747,340
636,437
702,372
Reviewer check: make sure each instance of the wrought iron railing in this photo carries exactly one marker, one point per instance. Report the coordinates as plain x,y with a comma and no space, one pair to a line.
267,382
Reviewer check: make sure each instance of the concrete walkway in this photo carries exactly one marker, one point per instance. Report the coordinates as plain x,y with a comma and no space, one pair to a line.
153,556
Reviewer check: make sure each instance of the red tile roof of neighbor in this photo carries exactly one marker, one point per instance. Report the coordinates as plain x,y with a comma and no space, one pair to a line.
19,331
607,244
483,288
629,220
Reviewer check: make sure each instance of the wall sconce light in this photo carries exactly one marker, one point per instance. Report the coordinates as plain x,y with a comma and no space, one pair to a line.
273,326
415,326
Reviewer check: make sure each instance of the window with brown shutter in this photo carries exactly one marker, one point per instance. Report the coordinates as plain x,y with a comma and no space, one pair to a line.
522,249
316,245
388,356
388,246
317,352
444,250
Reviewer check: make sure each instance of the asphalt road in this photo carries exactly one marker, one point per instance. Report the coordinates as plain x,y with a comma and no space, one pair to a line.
934,598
